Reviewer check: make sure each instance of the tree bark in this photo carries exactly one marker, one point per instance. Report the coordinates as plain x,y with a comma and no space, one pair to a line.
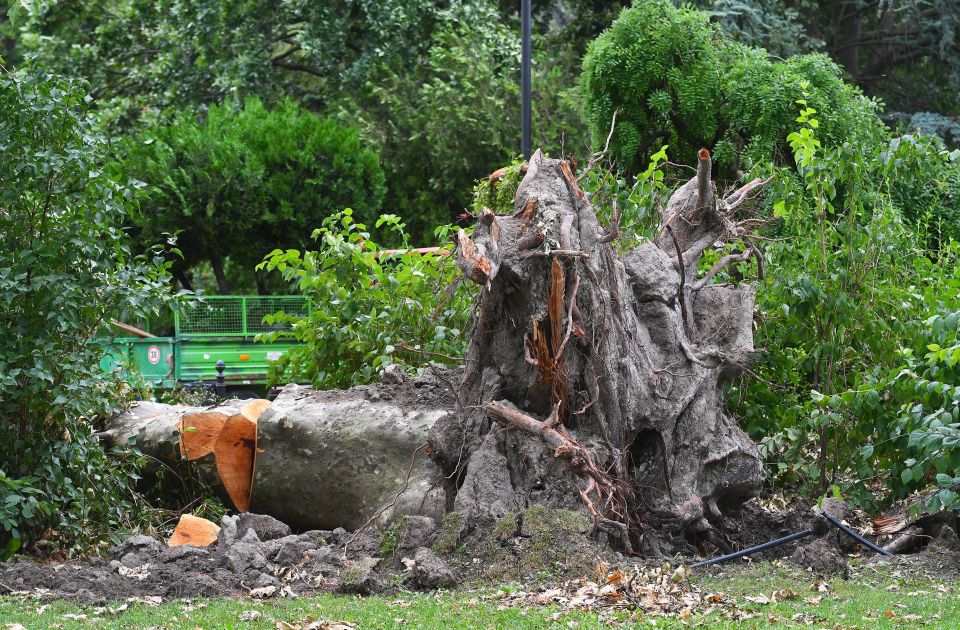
222,285
595,380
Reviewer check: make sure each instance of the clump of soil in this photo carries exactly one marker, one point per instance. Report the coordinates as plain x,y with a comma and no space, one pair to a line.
430,390
254,555
537,542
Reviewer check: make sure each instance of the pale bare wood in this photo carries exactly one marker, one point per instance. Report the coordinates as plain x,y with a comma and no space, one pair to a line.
193,530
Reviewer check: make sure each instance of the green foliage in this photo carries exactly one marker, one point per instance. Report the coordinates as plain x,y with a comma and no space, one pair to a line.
676,79
446,117
848,286
371,308
243,181
925,186
432,85
498,193
769,24
65,268
391,537
145,56
930,418
638,202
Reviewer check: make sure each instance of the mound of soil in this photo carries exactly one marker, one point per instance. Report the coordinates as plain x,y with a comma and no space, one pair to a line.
254,555
257,555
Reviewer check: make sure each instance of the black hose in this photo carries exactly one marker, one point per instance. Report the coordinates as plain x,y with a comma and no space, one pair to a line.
852,534
749,550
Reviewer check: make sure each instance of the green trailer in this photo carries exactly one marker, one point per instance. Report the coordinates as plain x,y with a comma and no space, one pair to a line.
223,328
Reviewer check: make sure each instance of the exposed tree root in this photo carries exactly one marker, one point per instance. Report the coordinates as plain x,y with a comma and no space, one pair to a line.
623,354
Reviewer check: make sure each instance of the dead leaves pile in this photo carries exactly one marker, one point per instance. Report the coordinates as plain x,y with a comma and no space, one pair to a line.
654,591
662,591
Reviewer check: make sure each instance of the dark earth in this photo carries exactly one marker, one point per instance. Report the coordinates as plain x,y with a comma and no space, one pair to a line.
259,556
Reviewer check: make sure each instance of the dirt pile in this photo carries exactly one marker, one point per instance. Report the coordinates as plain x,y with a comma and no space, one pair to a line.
254,555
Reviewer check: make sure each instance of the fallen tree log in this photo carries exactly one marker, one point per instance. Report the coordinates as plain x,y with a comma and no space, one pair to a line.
324,463
152,427
315,460
220,441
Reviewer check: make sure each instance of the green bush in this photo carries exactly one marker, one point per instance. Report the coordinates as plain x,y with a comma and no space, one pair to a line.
927,431
370,308
848,288
446,117
678,80
65,269
242,181
925,185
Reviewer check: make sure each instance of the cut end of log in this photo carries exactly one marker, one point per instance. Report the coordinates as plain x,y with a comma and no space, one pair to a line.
252,409
704,154
234,453
199,432
225,439
193,530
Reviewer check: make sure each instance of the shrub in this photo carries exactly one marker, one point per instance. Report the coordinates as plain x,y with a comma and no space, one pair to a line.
65,269
242,181
928,428
848,287
675,79
370,308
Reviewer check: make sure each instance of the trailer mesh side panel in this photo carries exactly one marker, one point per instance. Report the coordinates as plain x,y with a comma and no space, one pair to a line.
258,307
242,316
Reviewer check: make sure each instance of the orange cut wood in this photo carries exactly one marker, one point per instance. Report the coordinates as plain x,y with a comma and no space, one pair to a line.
222,443
199,431
252,409
193,530
234,453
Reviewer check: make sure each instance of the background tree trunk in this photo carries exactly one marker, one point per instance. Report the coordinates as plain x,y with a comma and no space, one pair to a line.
595,379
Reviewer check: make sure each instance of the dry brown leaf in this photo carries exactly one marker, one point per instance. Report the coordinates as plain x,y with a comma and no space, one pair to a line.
264,591
784,595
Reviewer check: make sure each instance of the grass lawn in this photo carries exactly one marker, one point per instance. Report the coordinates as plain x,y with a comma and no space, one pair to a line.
759,596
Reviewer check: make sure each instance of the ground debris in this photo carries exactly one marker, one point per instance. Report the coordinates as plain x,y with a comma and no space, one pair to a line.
652,591
315,624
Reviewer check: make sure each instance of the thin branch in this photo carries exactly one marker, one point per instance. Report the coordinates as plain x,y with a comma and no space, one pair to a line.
300,67
596,157
683,276
719,266
613,231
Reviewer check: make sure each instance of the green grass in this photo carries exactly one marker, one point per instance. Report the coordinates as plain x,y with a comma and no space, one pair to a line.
898,596
874,599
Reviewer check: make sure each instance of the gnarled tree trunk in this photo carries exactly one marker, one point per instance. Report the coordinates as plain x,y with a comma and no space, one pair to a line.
595,379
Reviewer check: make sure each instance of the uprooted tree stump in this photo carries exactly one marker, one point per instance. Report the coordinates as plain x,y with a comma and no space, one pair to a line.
596,379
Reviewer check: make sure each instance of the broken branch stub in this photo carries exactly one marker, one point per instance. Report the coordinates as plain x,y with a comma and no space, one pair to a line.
583,387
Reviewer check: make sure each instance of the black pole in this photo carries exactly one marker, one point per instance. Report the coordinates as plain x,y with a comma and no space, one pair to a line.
525,138
749,550
860,539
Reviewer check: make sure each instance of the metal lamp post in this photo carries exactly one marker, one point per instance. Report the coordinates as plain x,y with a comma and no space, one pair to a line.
525,134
